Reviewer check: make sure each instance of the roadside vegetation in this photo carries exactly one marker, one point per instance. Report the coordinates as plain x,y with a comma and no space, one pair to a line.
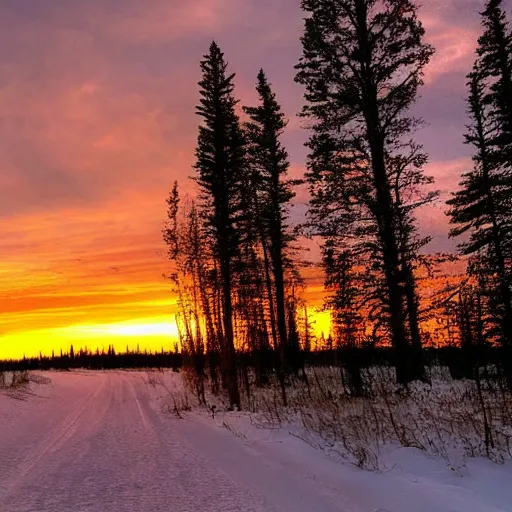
417,356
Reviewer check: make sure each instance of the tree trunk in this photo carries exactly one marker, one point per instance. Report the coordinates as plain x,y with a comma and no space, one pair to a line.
390,255
230,353
418,366
383,210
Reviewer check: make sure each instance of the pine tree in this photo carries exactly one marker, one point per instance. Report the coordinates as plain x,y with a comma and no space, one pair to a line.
481,208
362,66
345,299
269,165
495,66
220,166
183,235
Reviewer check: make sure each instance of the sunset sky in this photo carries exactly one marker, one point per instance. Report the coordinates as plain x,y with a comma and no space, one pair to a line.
97,120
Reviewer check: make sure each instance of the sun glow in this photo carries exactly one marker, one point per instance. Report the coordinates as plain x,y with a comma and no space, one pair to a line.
142,329
151,334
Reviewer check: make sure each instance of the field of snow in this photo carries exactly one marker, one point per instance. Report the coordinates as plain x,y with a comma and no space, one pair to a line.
110,441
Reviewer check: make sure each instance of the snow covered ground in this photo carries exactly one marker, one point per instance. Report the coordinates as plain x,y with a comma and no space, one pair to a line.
108,441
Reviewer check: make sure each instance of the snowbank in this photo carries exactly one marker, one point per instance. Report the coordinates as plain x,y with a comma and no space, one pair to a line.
405,479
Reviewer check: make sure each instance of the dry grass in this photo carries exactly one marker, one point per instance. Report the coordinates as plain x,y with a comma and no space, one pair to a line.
450,419
14,380
176,397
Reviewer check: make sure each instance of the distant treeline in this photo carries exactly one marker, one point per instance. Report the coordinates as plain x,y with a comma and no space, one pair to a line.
98,360
461,361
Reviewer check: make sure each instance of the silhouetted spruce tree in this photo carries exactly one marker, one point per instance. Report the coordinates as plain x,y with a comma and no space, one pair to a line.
252,319
269,166
495,66
220,170
481,207
471,324
362,66
251,303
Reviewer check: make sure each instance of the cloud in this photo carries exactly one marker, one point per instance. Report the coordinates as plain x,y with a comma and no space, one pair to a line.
452,27
97,103
432,219
158,21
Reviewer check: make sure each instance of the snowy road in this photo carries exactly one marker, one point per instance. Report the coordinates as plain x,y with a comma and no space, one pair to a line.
98,442
92,442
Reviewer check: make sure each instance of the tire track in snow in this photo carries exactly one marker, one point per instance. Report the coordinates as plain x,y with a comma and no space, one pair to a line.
143,415
52,442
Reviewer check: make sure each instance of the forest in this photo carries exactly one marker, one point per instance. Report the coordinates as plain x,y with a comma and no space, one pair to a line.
237,258
399,320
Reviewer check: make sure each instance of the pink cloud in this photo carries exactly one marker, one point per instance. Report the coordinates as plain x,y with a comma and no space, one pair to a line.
97,103
455,48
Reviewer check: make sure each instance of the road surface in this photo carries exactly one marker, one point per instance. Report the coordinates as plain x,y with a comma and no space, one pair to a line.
95,442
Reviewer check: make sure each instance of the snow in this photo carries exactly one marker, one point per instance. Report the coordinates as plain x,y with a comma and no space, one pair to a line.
110,441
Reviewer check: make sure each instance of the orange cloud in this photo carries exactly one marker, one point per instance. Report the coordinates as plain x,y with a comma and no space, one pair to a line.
97,104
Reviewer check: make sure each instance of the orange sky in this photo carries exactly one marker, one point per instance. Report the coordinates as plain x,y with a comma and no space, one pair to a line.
97,120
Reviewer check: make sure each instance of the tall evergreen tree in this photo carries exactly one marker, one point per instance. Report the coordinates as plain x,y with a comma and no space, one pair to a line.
183,233
221,168
483,205
362,66
269,162
495,65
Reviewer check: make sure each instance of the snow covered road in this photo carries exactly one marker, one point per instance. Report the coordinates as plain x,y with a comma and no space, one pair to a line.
98,442
92,442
